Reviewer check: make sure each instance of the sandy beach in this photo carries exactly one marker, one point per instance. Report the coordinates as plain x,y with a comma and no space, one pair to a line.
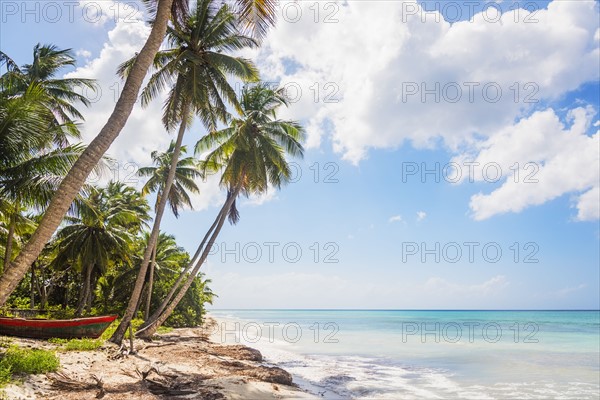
182,364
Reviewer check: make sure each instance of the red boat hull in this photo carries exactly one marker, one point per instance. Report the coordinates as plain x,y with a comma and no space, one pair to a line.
91,327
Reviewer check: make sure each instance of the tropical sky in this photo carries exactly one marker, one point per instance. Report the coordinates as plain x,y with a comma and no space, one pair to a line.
453,154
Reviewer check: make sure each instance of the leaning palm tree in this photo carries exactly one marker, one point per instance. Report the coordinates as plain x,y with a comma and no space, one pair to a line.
258,16
34,116
30,183
194,70
78,174
185,173
251,154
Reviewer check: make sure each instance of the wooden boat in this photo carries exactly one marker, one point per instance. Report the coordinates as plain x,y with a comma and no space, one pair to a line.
90,327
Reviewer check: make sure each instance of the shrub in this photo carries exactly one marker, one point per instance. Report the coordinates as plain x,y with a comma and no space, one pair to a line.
28,361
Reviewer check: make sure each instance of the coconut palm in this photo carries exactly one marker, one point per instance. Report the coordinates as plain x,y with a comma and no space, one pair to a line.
185,173
100,233
31,183
34,115
194,70
251,154
74,181
58,95
258,14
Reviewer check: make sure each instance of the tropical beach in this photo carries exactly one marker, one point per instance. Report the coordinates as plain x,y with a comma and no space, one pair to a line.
184,363
281,199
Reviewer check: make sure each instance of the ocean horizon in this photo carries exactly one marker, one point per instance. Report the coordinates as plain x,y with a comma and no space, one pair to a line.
420,354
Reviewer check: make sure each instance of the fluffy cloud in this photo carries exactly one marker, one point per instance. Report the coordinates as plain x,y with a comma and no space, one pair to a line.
366,88
373,70
541,159
144,131
402,78
101,12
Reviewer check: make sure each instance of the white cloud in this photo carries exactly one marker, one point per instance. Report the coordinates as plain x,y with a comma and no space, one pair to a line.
355,83
395,218
552,160
421,215
258,200
370,69
588,205
101,12
83,53
144,131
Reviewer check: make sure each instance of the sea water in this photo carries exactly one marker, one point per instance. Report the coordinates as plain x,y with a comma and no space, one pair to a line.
369,354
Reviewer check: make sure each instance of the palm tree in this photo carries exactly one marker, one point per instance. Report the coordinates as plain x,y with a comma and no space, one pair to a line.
195,70
76,177
257,13
32,182
57,94
13,224
35,113
251,154
100,233
185,173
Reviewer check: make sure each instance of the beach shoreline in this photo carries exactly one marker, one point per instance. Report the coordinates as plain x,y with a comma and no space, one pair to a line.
186,363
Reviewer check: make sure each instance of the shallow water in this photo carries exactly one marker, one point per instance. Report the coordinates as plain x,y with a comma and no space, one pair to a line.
428,354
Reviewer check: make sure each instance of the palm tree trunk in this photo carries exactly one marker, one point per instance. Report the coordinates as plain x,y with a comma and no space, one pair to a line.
182,275
84,295
150,284
119,334
90,298
44,291
11,236
150,330
32,288
76,177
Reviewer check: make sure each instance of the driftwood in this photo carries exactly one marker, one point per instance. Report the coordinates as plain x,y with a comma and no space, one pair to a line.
158,345
60,380
164,384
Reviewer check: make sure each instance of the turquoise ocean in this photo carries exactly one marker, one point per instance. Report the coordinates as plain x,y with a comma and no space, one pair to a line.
383,354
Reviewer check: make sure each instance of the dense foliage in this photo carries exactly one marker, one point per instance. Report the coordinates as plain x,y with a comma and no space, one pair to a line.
69,248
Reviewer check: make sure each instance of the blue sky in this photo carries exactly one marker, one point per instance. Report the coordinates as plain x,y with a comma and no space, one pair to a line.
371,220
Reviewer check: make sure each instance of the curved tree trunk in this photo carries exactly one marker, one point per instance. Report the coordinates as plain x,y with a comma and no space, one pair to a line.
150,330
150,284
119,334
76,177
182,275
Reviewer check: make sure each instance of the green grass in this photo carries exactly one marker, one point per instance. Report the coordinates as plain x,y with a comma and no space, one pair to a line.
58,340
135,324
164,329
83,344
26,361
